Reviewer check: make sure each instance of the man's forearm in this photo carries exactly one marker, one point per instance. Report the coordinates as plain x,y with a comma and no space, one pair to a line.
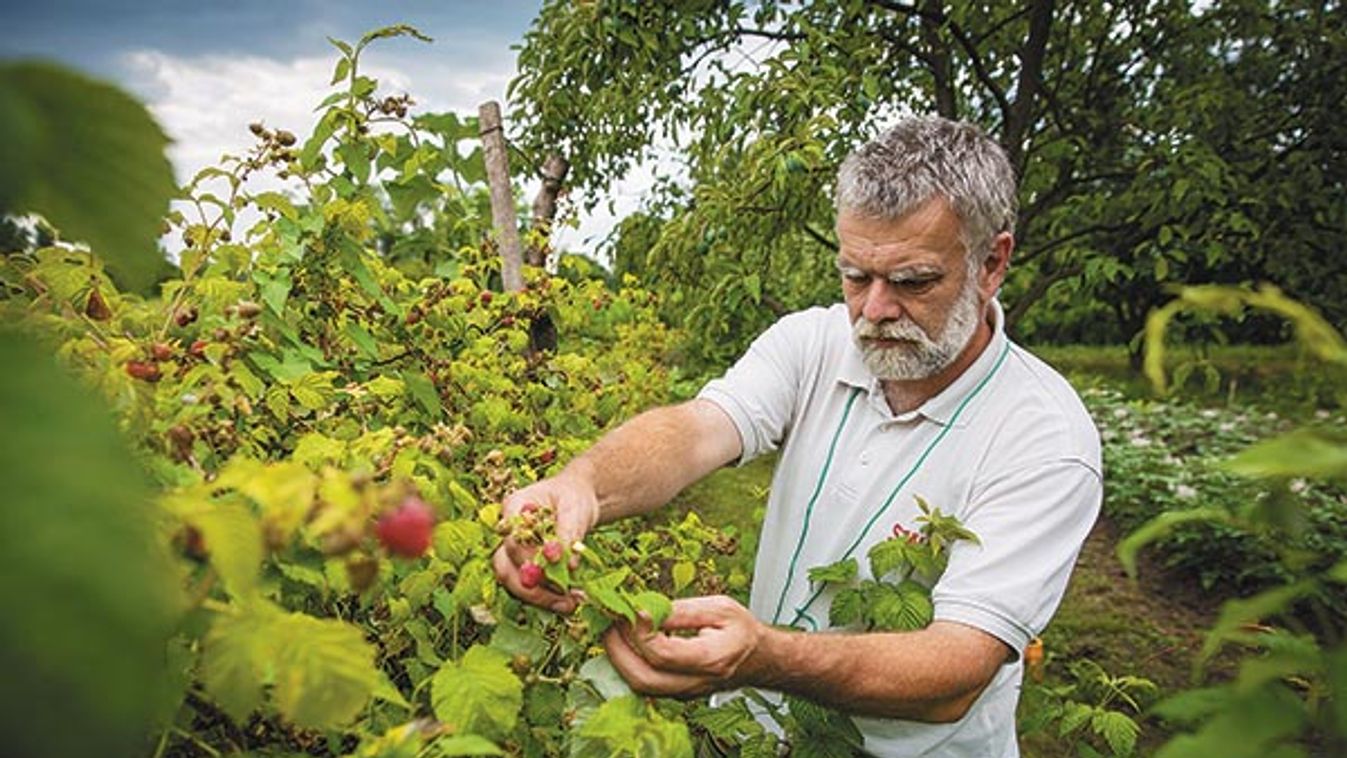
646,461
931,675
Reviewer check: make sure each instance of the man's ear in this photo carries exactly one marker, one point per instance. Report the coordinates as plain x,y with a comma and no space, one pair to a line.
992,272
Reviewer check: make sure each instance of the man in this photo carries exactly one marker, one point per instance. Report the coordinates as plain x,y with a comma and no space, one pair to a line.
909,388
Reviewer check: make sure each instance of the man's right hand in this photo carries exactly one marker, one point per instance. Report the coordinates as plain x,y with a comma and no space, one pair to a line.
573,500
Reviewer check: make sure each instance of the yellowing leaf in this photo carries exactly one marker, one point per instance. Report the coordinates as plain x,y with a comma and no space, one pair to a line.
683,573
325,671
478,693
233,538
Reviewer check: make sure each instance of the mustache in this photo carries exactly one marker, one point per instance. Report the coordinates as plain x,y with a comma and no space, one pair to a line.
889,330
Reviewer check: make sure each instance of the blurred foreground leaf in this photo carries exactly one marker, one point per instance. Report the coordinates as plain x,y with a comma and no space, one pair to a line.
91,159
87,591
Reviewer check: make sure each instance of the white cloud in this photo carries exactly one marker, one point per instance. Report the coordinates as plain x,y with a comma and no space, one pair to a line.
205,104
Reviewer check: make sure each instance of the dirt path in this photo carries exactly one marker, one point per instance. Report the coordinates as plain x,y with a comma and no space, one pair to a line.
1151,627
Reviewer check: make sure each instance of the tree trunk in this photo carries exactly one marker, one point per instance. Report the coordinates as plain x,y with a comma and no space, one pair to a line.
545,209
502,196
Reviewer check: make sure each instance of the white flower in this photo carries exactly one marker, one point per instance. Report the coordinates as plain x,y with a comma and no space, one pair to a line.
1299,485
1185,492
1322,414
1210,413
1271,415
1226,427
1140,441
1119,413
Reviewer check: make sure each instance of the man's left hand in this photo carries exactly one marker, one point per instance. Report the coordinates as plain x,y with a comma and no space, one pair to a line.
726,651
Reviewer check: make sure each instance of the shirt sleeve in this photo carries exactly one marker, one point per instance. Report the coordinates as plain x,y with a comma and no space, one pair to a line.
1031,523
761,391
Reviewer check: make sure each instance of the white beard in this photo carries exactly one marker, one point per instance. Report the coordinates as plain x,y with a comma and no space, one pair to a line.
921,357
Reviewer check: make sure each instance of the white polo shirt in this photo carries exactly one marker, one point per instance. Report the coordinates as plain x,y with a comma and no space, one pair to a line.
1008,448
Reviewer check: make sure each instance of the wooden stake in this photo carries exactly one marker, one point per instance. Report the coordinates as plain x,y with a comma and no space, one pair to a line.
502,195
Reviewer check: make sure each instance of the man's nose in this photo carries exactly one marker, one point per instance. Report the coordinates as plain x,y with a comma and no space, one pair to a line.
881,302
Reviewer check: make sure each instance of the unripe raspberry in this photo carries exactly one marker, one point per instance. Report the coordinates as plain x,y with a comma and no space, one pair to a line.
143,370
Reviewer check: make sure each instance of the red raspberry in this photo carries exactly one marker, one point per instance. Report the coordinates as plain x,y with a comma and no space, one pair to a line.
552,551
406,530
530,575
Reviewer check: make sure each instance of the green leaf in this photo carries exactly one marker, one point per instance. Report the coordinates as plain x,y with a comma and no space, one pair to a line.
479,693
1119,731
457,540
888,556
342,70
683,572
1193,706
313,146
466,744
88,592
1336,669
906,607
840,572
603,591
515,639
1159,527
236,652
233,537
89,158
848,607
626,726
1338,573
325,673
1240,612
653,604
1304,452
388,692
362,339
1074,716
424,392
599,672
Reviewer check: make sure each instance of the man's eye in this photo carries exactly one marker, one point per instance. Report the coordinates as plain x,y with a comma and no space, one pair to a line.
916,285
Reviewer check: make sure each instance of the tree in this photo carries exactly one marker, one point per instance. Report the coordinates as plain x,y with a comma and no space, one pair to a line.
1129,124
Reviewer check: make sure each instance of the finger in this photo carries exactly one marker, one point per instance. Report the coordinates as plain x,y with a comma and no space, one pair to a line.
507,573
683,655
643,677
699,612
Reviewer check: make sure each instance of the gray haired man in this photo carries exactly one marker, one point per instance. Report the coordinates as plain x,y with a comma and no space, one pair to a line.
908,388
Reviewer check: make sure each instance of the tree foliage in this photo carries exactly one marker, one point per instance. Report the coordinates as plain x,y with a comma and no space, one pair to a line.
1156,141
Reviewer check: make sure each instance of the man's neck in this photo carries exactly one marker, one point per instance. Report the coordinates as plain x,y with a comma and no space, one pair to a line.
905,396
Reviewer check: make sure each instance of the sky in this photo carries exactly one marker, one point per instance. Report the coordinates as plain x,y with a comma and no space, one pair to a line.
208,68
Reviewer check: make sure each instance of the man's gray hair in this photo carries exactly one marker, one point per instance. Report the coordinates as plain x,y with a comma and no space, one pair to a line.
922,158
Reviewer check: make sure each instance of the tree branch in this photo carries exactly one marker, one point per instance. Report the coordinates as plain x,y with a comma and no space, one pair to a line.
819,237
961,36
1031,70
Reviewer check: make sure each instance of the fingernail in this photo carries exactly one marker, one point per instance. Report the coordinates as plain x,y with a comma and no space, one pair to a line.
561,606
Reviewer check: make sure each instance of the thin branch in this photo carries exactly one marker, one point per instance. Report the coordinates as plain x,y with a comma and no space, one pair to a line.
819,237
960,36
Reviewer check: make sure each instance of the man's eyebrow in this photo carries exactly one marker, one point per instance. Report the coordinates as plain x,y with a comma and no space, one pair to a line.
914,272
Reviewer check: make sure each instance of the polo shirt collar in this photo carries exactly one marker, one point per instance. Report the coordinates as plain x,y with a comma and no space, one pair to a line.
942,407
